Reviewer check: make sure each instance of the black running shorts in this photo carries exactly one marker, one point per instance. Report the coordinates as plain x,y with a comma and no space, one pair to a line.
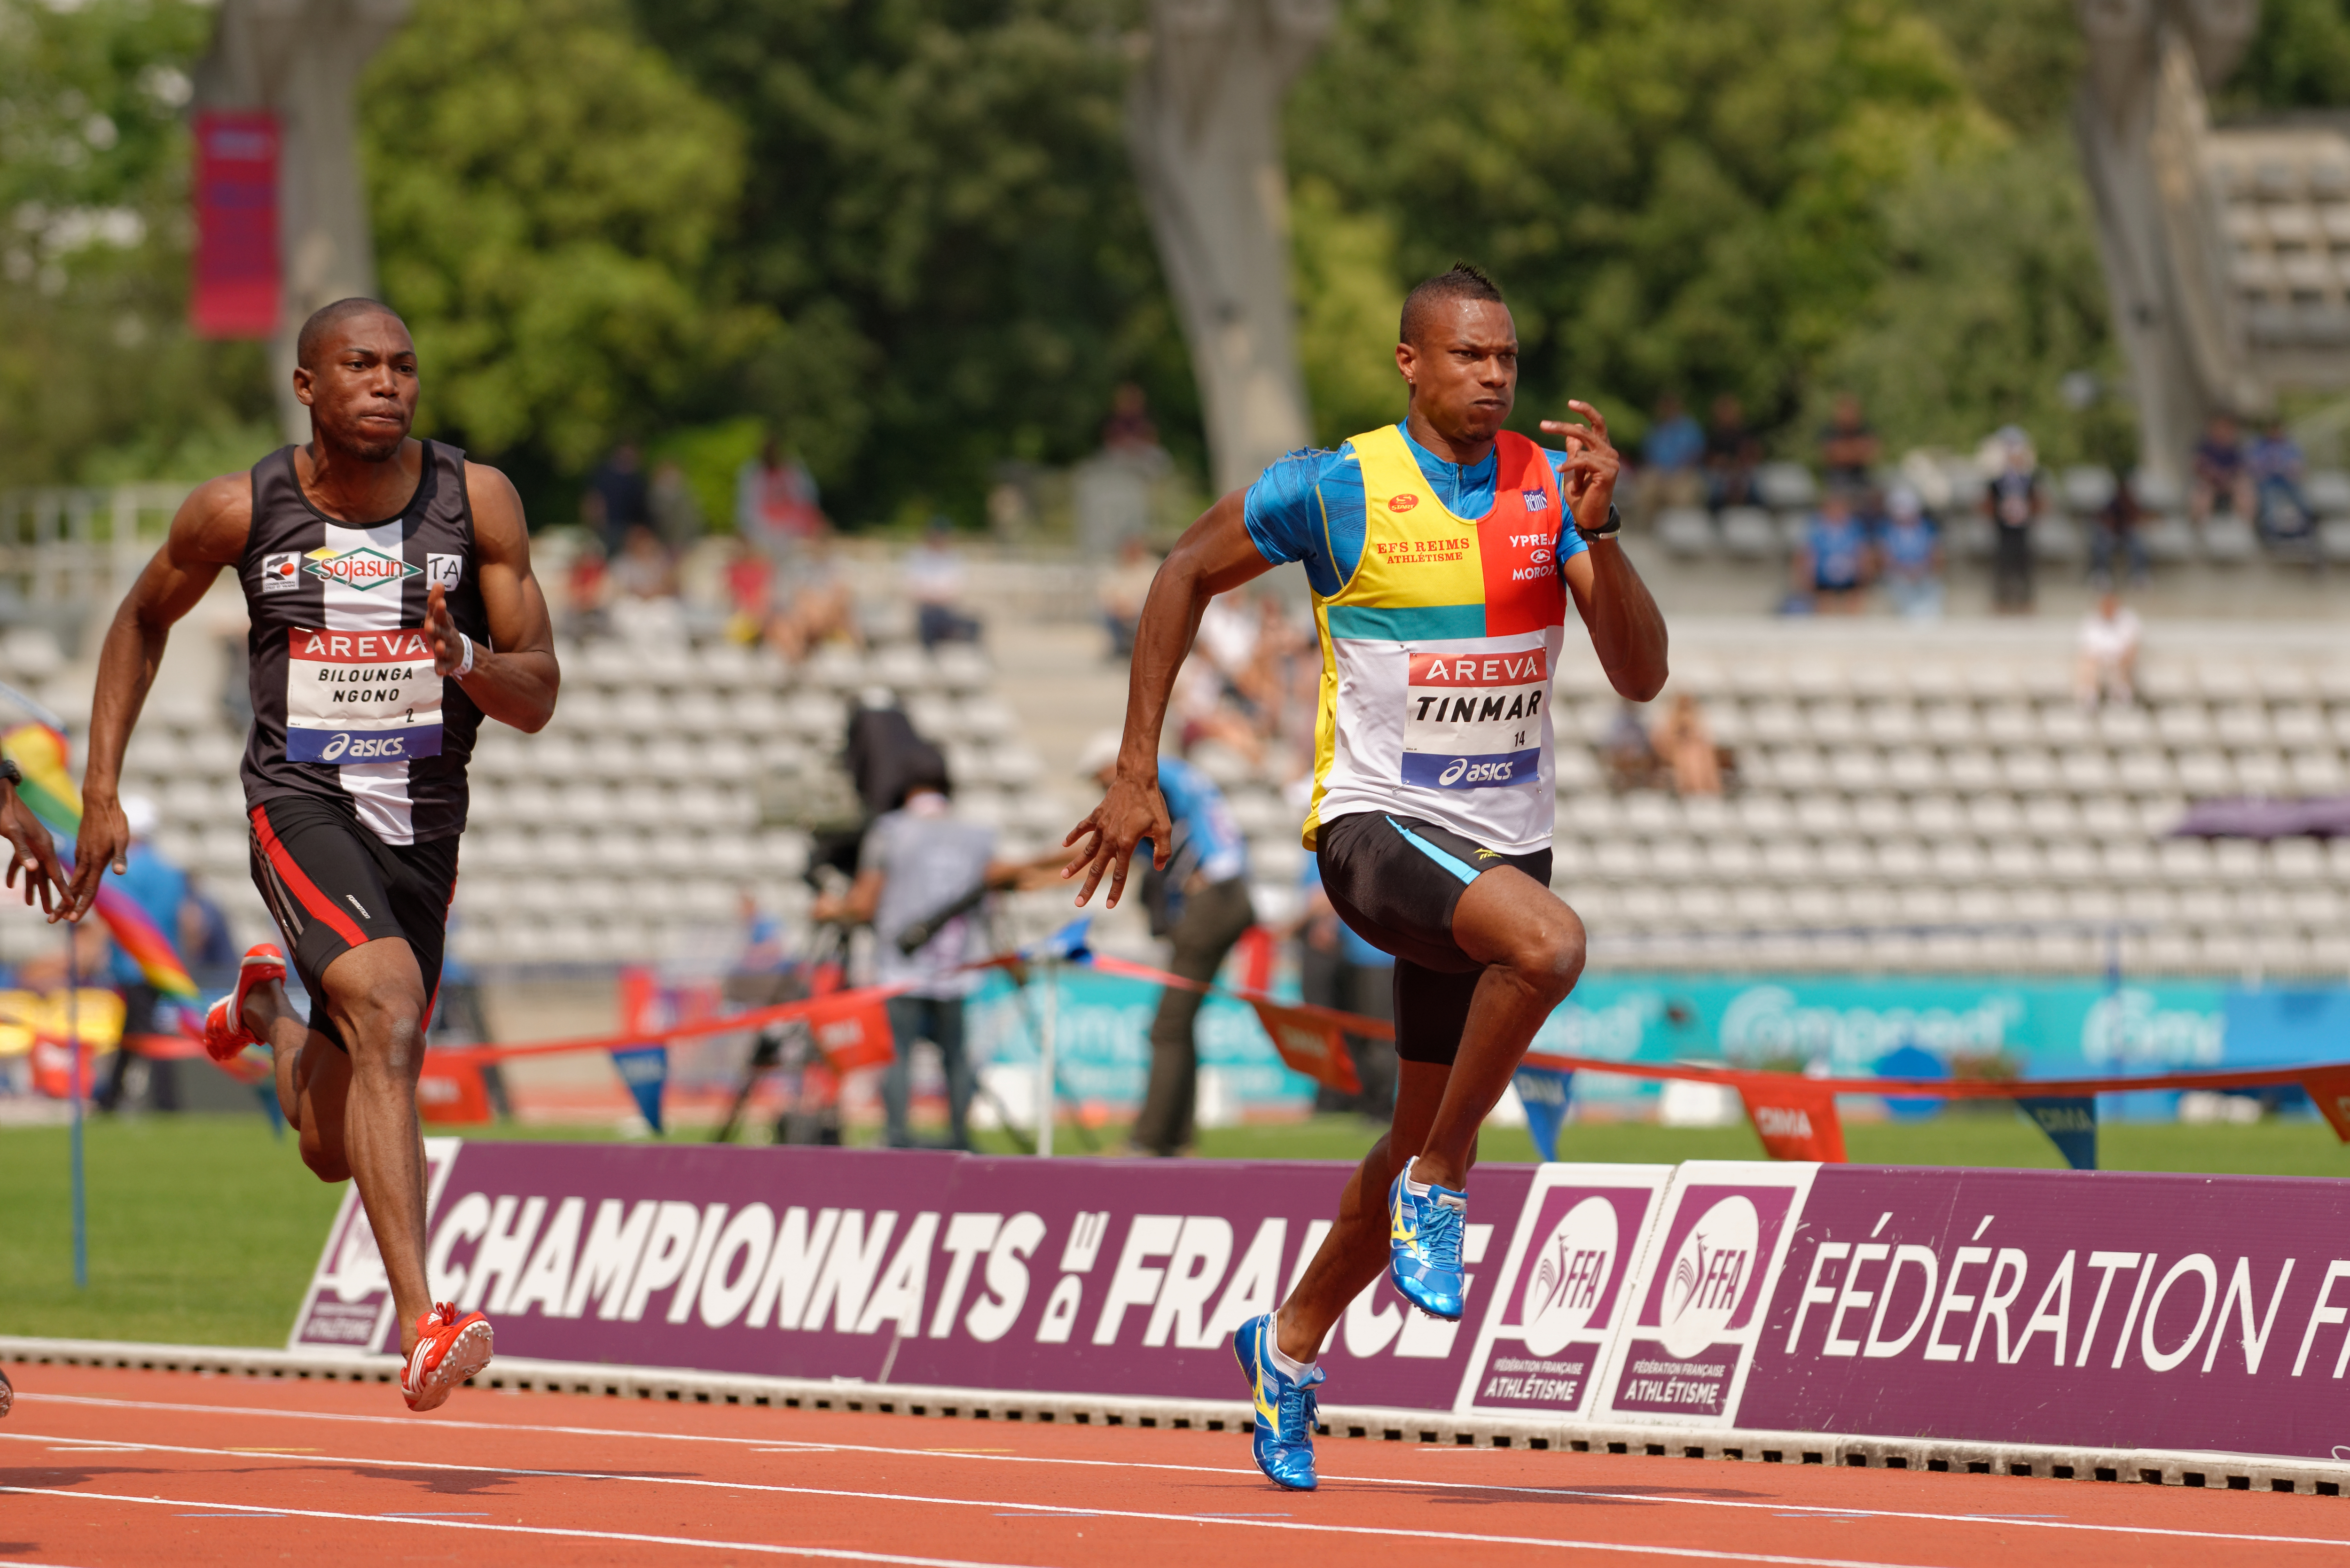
1395,880
333,885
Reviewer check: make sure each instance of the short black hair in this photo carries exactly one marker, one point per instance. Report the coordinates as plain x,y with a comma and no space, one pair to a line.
1465,281
326,318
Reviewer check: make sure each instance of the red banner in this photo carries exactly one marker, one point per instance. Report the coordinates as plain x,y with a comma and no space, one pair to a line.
852,1030
452,1093
2329,1090
237,275
1794,1117
1310,1044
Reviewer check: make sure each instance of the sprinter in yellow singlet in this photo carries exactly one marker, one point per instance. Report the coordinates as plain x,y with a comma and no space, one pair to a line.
1442,552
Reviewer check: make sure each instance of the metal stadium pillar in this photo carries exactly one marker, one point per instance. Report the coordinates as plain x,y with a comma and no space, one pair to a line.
1203,127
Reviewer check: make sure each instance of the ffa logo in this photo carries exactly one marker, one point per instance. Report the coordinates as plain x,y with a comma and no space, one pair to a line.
1402,502
281,572
362,569
1540,558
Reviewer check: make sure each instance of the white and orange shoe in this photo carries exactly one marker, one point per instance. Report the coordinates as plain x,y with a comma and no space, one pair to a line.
226,1035
450,1348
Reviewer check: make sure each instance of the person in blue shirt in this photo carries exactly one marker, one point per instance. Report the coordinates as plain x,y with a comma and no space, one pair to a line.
1672,459
1203,907
160,890
1832,568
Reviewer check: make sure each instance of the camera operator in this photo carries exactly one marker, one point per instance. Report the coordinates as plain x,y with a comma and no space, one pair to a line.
918,861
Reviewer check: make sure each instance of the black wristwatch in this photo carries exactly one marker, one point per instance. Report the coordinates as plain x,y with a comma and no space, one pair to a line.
1608,529
10,771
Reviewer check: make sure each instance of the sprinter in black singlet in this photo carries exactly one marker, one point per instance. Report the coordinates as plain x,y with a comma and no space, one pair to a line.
392,609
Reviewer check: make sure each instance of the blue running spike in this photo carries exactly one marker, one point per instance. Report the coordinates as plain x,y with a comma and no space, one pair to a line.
1284,1438
1424,1244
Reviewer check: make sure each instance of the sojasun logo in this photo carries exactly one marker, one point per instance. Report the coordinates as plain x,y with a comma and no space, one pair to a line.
362,569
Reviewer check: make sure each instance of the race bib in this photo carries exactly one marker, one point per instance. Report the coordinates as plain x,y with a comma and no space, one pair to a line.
1474,721
361,697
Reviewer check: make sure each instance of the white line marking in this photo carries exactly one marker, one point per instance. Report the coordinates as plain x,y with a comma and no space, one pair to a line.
1696,1554
1586,1493
768,1548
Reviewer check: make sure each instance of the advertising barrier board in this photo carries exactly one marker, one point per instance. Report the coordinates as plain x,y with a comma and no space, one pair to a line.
2059,1308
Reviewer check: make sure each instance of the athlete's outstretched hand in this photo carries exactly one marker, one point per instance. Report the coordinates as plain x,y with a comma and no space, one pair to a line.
440,628
36,854
1592,463
104,840
1132,811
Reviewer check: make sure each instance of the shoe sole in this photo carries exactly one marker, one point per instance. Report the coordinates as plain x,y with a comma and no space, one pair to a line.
467,1354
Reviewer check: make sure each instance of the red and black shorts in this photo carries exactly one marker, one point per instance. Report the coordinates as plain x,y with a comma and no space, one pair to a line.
1397,880
334,885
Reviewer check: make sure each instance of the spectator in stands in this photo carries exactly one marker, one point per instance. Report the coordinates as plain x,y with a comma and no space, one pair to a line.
159,889
622,499
1832,568
1129,427
1201,901
2106,668
1848,448
749,581
587,591
1630,755
2013,499
2222,478
1672,460
1685,745
819,607
645,570
1123,588
1910,557
1731,456
918,862
676,512
1338,969
933,574
2116,535
776,506
2276,468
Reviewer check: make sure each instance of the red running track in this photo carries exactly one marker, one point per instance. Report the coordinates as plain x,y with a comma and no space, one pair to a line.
101,1467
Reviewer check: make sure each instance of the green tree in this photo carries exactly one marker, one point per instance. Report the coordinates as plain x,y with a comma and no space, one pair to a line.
100,376
940,209
552,201
1676,194
2300,58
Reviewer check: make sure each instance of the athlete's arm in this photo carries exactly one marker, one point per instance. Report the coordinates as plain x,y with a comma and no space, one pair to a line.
515,680
207,532
31,851
1214,555
1628,630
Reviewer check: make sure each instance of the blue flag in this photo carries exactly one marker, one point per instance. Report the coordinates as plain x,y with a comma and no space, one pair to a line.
1544,1092
645,1069
1072,942
2071,1123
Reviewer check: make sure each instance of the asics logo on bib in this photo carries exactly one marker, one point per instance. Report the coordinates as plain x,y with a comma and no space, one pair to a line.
350,748
1472,773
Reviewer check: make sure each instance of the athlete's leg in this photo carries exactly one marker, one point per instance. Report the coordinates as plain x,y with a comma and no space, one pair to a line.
1531,946
1354,1252
376,997
312,1078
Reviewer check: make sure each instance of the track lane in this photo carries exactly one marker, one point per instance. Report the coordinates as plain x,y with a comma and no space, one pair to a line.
668,1482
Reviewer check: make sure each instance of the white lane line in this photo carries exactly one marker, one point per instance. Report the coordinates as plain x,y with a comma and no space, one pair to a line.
1694,1553
1593,1494
765,1548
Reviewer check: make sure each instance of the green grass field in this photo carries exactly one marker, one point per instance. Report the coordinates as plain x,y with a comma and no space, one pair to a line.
203,1229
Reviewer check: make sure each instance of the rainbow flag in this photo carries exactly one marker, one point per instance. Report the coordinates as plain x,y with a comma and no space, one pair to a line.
39,752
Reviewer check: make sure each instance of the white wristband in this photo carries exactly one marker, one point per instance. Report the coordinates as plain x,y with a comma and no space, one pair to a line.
465,666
